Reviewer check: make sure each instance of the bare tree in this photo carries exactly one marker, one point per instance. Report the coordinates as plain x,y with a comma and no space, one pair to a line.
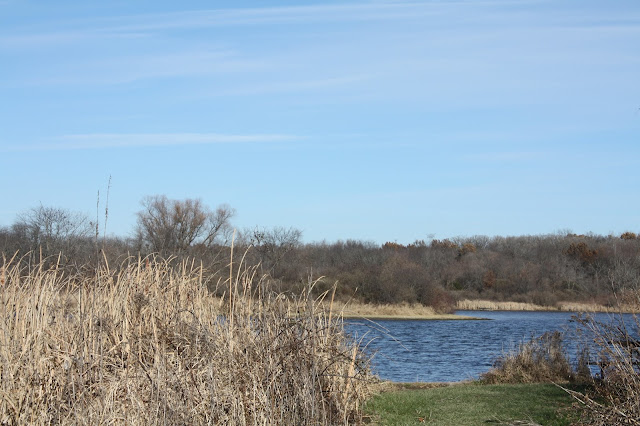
52,229
175,226
272,245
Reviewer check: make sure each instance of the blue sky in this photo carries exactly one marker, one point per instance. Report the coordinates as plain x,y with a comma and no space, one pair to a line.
373,120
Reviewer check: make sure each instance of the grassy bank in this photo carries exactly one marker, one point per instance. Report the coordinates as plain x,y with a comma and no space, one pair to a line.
471,404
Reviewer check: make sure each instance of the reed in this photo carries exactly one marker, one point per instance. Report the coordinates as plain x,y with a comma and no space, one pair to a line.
615,398
540,360
353,309
490,305
146,343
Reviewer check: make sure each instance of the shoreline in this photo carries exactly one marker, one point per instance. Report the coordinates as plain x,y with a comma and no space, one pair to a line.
434,317
488,305
409,312
399,312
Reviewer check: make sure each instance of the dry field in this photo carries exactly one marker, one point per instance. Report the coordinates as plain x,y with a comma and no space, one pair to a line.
145,343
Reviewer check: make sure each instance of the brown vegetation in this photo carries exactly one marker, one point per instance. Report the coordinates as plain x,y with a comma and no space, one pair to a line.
540,360
147,343
546,270
489,305
90,336
615,398
395,311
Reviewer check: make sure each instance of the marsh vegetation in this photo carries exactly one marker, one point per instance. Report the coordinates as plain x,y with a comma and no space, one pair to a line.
167,327
146,342
557,271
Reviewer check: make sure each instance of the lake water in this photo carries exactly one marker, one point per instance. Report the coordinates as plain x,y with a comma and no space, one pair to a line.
447,351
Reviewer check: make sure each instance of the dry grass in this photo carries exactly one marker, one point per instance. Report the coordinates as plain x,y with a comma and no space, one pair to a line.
489,305
540,360
616,397
593,307
394,311
148,344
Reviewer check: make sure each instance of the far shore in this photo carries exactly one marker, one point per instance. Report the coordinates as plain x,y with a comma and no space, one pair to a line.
489,305
401,311
415,311
434,317
406,311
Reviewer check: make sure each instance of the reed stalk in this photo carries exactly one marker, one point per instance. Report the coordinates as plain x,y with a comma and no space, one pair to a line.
146,343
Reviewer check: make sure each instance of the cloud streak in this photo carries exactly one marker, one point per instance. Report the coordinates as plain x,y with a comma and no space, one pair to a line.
136,140
141,25
122,29
316,85
128,69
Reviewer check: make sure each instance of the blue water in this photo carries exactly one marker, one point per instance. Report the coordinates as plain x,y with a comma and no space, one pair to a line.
446,351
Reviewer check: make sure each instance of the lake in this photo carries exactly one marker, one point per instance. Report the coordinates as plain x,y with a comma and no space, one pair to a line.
448,351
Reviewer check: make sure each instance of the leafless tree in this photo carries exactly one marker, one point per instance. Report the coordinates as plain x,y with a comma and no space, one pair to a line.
52,229
272,245
175,226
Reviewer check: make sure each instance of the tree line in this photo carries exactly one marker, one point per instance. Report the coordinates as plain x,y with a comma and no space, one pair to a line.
540,269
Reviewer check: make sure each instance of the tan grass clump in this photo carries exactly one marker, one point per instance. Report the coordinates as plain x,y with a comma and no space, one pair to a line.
401,310
540,360
148,344
490,305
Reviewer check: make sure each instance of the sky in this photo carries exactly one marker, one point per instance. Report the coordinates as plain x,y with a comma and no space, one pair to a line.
368,120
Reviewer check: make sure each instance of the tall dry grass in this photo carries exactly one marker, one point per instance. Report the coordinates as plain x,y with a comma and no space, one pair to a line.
398,310
616,395
147,344
540,360
490,305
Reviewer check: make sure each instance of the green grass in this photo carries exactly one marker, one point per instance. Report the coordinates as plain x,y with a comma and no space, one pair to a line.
472,404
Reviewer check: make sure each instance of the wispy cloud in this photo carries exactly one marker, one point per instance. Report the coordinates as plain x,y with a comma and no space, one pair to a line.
271,15
141,25
303,14
132,140
145,25
56,37
148,24
292,86
504,157
418,60
127,69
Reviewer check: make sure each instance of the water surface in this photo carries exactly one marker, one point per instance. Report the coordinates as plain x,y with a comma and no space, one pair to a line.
446,351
